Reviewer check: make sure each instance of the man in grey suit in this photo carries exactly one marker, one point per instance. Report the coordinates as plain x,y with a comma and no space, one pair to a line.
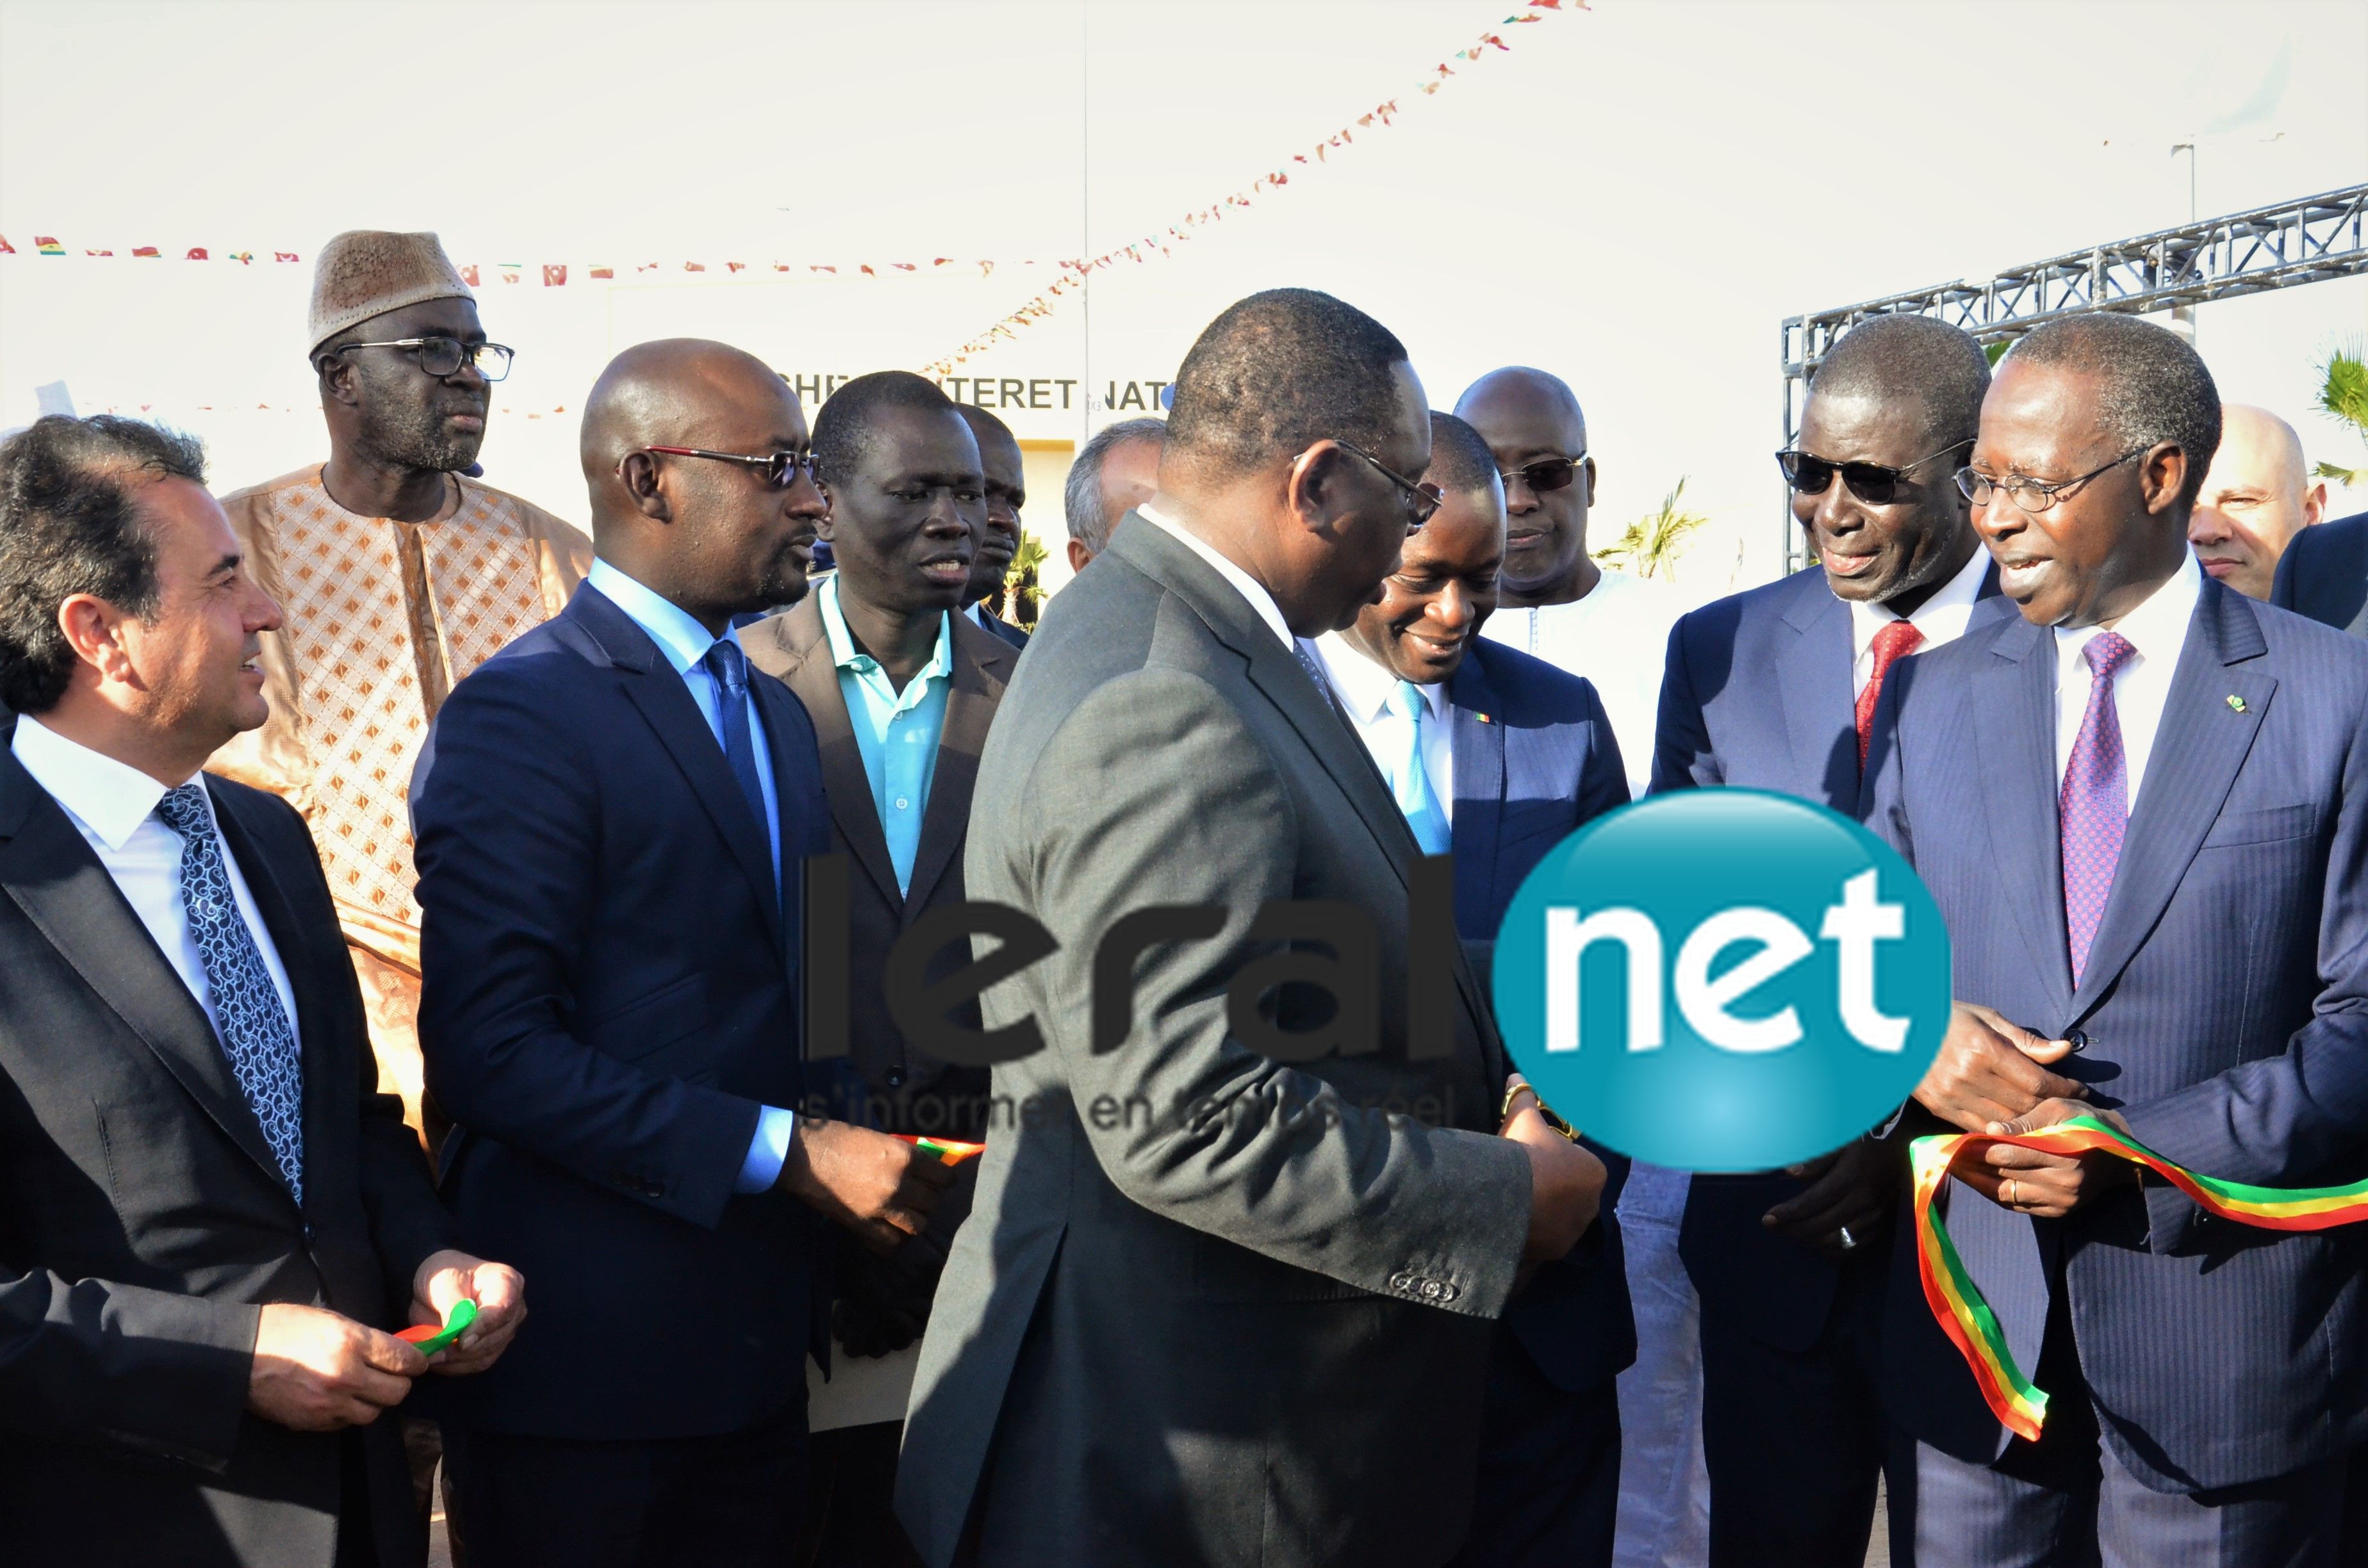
1212,1307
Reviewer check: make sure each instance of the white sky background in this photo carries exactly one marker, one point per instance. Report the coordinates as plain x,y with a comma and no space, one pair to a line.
1634,198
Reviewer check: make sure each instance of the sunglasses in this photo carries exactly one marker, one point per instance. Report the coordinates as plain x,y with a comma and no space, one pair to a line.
1877,484
779,469
1546,473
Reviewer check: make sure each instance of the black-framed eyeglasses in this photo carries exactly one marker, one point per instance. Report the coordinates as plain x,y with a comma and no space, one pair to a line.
441,357
2033,495
1545,474
779,469
1421,500
1877,484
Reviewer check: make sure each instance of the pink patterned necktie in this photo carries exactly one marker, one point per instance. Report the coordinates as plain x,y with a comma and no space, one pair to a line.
2094,805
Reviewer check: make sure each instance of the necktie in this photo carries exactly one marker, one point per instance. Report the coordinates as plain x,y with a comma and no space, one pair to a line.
256,1032
1315,668
1409,780
1893,642
2094,806
729,665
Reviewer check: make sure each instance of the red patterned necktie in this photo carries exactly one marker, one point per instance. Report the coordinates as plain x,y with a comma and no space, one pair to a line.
2093,808
1895,642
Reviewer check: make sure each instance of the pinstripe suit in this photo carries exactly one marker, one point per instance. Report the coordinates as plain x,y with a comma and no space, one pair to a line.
2224,1010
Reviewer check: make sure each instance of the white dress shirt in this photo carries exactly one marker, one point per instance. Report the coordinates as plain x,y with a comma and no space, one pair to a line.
1940,618
1365,689
2157,630
113,805
1618,638
685,643
1249,587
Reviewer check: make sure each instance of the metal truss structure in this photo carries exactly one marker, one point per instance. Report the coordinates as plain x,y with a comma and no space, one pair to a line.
2306,241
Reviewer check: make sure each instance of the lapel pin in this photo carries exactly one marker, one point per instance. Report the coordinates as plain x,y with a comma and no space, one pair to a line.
1483,718
2235,703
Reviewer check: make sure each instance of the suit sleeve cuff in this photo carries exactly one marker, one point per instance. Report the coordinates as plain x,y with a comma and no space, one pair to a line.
766,1151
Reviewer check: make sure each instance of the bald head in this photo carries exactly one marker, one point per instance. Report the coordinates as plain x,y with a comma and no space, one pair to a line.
1537,433
2255,496
717,538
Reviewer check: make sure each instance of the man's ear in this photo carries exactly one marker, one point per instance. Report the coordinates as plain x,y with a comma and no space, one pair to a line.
638,475
1590,467
1314,490
2162,476
90,625
336,375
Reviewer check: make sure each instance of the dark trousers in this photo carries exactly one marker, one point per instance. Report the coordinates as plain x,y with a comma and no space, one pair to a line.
721,1502
852,1514
1794,1440
1549,1480
2067,1502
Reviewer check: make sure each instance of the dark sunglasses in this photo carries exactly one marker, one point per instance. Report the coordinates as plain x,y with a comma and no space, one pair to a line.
1546,473
780,470
1421,500
1877,484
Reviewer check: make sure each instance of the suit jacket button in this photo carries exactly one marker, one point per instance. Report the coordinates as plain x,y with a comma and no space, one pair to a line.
895,1077
2078,1039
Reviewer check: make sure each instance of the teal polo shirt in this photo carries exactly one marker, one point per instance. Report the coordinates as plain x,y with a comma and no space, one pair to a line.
896,731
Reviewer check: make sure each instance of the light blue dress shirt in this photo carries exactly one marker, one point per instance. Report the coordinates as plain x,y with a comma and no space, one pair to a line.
685,643
896,732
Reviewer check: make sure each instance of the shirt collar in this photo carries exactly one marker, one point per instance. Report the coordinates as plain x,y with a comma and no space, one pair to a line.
110,798
674,630
1365,685
2157,628
846,655
1941,617
1249,587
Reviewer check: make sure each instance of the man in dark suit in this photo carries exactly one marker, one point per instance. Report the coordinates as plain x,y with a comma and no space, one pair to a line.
1776,688
2141,808
2324,575
1498,757
1007,493
210,1219
901,687
610,814
1213,1308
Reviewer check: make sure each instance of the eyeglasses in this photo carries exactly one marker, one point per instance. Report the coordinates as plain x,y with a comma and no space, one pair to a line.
1421,500
1877,484
1546,473
441,357
780,470
2033,495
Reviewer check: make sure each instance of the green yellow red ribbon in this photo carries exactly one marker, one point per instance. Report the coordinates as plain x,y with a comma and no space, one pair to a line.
1967,1318
946,1150
431,1338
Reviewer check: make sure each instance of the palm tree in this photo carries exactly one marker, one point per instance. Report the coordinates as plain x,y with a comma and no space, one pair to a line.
2344,396
1019,591
1651,546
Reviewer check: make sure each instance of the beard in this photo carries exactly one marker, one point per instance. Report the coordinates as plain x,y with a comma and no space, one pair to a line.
404,426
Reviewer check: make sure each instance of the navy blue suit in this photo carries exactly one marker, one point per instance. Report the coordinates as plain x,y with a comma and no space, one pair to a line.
1535,760
2224,1011
610,997
1759,692
2324,575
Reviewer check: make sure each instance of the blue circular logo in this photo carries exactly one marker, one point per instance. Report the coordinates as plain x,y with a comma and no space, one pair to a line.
1722,980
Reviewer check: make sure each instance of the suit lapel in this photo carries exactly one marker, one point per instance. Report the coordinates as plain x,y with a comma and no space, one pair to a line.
313,1022
665,700
49,870
2014,714
846,784
1814,683
1479,750
2202,743
1276,672
982,668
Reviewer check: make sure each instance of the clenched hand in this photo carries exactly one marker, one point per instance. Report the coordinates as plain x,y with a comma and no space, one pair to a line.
882,1188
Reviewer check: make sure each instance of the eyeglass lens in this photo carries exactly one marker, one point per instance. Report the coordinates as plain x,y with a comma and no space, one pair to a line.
1871,482
1549,473
445,355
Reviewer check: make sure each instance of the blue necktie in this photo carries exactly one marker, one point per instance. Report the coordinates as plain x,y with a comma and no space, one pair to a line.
729,665
1409,780
256,1032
